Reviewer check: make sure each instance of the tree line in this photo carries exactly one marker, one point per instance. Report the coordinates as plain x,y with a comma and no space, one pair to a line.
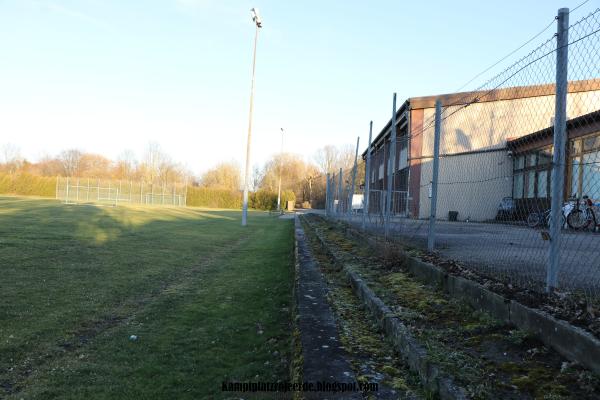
302,180
155,166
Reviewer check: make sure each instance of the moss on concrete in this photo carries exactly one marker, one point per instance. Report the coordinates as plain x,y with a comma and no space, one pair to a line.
491,359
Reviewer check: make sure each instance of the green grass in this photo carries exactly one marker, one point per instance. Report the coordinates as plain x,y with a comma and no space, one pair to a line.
208,299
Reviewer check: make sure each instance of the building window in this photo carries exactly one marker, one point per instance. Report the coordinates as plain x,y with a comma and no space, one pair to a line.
518,186
542,184
519,162
530,192
403,162
530,174
590,177
584,167
575,174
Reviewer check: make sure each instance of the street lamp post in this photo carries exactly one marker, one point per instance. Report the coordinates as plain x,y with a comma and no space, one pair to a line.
258,23
280,168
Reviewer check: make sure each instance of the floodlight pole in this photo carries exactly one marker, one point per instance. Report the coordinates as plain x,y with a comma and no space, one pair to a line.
280,168
258,24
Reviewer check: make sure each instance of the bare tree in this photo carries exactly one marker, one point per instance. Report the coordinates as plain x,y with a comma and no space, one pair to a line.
70,160
326,158
294,171
126,166
11,158
223,176
345,158
330,158
48,166
257,175
94,166
154,159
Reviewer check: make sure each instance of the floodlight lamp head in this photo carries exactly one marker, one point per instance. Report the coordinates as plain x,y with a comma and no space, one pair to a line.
256,17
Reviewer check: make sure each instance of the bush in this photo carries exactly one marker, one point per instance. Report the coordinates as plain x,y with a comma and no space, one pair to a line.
213,198
267,200
28,185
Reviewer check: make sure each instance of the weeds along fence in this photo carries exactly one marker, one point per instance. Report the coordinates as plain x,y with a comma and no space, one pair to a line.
504,178
83,190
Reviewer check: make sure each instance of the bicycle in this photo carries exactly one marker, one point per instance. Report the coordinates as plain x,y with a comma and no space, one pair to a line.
535,219
579,219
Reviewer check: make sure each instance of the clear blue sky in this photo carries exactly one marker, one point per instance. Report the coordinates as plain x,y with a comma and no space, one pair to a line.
109,75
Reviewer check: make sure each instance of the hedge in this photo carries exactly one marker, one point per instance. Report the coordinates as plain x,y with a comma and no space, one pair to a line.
213,198
218,198
267,200
28,185
33,185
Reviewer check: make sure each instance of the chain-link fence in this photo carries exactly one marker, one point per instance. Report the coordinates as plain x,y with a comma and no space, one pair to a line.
110,192
505,178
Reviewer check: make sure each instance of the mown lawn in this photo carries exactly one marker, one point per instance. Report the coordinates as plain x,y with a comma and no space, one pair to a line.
207,299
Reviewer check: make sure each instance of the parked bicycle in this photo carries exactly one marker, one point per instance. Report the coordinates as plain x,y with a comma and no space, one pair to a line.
544,218
578,214
582,216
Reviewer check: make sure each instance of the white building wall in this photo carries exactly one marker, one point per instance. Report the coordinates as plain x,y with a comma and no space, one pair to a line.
475,184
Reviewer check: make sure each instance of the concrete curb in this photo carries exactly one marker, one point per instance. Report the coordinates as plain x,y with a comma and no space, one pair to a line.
413,353
570,341
411,350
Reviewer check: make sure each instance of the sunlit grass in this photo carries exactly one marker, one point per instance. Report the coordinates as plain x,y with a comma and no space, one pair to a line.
196,287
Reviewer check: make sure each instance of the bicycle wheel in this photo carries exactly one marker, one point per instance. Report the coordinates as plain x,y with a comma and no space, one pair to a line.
533,219
577,220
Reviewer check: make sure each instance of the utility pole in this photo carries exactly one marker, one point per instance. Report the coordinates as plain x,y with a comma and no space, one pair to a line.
258,23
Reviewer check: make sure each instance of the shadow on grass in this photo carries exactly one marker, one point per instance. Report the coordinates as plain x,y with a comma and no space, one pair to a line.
72,272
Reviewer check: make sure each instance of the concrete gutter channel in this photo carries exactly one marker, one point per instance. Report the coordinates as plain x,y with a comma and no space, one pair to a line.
412,352
571,342
324,359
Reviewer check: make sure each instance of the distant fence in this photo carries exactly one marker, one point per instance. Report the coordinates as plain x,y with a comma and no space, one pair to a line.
504,178
84,190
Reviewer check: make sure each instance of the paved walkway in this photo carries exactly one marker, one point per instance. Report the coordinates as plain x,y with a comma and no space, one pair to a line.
324,358
511,251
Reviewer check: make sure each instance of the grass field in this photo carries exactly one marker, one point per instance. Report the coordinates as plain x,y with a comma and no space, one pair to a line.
208,300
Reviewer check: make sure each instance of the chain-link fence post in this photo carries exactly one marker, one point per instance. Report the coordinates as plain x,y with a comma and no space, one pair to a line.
434,176
332,193
367,188
391,164
327,194
340,193
351,194
558,158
